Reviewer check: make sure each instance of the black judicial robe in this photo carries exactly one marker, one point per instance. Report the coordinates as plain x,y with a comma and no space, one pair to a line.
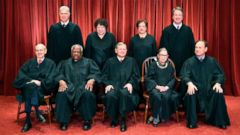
76,75
142,48
204,74
118,74
162,103
31,70
100,49
60,40
179,43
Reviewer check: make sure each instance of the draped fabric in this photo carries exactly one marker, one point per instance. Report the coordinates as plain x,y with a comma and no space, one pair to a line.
24,23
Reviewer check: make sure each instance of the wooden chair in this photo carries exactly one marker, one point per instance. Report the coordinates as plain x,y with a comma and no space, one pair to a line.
47,102
145,66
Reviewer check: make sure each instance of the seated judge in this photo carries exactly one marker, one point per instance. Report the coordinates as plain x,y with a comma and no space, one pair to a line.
121,77
159,83
35,79
204,78
76,78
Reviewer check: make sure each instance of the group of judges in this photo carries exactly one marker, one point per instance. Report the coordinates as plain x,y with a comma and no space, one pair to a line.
109,72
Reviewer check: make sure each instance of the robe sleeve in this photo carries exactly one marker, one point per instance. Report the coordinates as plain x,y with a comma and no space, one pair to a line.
149,79
163,40
135,76
191,42
49,83
50,42
94,71
171,83
78,35
22,77
185,73
130,49
218,74
60,72
154,47
87,51
105,74
113,46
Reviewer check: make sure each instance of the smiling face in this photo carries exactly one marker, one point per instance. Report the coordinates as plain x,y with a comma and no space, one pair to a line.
101,29
64,14
200,49
40,51
76,53
177,16
121,50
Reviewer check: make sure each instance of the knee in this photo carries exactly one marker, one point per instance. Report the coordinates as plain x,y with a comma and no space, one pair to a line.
123,92
88,93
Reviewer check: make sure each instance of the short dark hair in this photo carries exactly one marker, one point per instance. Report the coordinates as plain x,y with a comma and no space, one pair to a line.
140,21
204,41
177,8
101,21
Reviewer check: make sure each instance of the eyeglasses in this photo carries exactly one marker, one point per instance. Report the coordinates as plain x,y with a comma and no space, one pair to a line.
163,54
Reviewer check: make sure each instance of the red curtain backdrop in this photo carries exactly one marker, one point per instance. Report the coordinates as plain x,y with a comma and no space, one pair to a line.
25,23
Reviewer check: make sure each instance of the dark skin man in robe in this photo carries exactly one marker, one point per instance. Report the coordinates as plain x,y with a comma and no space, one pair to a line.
204,78
76,79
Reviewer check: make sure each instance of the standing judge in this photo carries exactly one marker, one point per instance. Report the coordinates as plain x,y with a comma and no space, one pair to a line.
62,36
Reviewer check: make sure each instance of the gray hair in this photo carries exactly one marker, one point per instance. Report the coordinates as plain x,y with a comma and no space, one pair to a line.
64,8
77,46
40,45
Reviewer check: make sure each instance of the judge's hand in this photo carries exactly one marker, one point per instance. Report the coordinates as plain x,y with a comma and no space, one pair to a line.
62,86
217,87
108,88
89,85
191,88
129,87
162,88
38,83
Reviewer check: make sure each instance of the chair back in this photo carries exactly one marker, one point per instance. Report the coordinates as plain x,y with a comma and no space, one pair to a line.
149,60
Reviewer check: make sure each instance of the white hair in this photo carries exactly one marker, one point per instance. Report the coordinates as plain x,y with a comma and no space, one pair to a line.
40,45
77,46
64,8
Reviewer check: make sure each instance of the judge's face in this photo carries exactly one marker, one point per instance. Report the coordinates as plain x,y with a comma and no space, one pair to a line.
162,57
101,29
200,49
121,51
40,51
76,53
177,16
142,28
64,14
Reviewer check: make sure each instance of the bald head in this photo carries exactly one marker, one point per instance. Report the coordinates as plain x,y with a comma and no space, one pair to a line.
40,50
40,46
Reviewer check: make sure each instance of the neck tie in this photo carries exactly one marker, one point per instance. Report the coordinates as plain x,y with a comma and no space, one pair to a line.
39,61
178,27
